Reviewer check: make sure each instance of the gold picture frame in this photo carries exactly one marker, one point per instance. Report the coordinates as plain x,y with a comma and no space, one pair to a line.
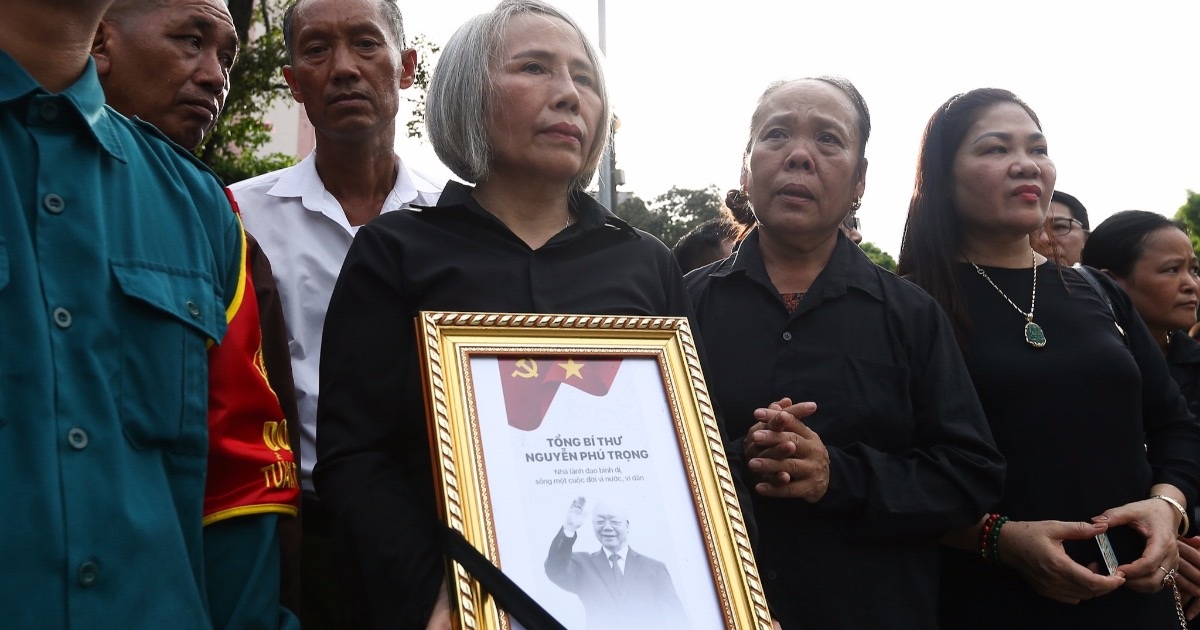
533,416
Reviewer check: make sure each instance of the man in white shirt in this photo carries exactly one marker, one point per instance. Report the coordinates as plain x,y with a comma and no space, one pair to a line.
348,63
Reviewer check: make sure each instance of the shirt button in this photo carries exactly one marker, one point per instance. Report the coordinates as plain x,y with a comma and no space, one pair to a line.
62,317
787,336
48,111
77,438
87,574
54,203
193,309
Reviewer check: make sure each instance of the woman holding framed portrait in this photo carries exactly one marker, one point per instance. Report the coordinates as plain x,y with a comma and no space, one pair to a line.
517,106
890,448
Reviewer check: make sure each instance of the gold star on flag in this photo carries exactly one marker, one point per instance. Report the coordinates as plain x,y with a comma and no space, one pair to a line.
572,368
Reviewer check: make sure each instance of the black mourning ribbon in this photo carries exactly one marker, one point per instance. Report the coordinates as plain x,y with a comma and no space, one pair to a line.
508,595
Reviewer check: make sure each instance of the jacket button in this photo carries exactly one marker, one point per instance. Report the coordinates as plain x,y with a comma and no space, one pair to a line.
77,438
787,336
48,111
87,574
54,203
193,309
62,317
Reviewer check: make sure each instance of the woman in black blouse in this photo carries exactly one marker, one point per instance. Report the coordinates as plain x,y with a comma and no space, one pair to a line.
890,448
1152,259
1108,447
518,106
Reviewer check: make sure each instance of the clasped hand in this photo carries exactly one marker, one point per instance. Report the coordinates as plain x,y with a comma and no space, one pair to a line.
789,458
1157,521
1189,574
1035,550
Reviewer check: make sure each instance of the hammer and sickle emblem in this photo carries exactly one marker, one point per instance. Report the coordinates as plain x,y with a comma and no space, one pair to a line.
526,368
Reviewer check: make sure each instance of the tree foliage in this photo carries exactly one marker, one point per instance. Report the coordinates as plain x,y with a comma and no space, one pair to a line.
673,213
635,212
878,256
427,53
233,148
1189,215
676,212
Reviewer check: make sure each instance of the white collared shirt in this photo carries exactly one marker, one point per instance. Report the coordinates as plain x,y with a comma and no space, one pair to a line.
622,556
305,234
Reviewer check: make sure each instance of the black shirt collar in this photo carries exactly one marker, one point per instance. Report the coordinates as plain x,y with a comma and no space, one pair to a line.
587,212
847,267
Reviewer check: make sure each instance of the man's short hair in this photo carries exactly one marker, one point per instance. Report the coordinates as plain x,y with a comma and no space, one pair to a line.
391,12
703,244
1078,212
124,9
456,108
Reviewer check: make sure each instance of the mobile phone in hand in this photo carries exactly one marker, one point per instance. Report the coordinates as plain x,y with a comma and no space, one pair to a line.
1106,550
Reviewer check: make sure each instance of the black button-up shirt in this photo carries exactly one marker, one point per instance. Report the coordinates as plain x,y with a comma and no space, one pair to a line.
374,466
910,452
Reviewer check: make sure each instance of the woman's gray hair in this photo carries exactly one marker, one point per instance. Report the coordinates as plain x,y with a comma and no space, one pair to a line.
462,88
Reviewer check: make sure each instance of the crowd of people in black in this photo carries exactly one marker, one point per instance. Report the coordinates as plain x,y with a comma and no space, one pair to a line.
208,426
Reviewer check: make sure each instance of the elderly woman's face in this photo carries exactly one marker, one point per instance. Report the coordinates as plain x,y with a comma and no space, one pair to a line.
1003,175
803,171
545,110
1163,281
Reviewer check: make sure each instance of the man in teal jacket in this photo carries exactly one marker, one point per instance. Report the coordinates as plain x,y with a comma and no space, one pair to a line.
119,260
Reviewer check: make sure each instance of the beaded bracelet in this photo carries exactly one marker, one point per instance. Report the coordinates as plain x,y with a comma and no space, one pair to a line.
985,533
994,540
1184,523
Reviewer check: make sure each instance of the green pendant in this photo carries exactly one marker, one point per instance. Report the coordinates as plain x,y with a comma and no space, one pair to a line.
1034,335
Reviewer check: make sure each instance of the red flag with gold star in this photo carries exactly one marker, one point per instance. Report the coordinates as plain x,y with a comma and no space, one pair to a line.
530,383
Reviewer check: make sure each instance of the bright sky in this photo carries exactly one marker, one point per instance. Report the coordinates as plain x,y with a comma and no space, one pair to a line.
1117,86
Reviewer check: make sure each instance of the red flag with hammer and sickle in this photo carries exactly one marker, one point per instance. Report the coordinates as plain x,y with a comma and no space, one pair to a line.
530,383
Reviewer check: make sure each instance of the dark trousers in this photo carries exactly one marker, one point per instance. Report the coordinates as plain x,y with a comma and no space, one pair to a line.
323,606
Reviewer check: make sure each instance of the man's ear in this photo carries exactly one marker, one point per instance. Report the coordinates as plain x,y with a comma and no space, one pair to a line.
861,187
102,46
290,77
408,68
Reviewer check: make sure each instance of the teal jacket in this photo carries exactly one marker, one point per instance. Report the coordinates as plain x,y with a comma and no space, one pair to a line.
118,258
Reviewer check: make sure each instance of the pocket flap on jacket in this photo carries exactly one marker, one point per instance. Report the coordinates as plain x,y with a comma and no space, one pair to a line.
184,295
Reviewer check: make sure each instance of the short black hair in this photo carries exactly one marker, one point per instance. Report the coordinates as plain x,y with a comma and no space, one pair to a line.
702,245
1078,212
391,11
1120,240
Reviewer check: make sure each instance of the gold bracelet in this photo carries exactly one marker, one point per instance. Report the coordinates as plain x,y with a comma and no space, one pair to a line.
1184,524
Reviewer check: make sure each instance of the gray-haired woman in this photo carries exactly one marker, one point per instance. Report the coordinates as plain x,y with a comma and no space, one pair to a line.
517,106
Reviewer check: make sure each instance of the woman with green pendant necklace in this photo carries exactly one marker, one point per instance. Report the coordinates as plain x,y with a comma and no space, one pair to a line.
1098,440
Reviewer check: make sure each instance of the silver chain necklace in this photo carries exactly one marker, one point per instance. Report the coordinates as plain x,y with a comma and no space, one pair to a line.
1034,335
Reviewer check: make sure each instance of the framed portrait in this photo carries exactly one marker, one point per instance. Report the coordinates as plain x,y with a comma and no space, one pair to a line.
581,456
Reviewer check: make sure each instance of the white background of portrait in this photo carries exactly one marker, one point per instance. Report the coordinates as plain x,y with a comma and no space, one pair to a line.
663,521
1114,85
